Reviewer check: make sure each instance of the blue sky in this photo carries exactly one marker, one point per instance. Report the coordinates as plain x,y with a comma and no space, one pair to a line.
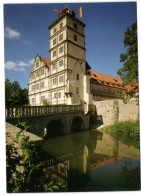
26,34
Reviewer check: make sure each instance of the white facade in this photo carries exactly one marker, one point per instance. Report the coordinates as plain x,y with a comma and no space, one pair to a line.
62,79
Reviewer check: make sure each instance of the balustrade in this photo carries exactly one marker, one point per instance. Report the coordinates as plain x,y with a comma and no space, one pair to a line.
43,110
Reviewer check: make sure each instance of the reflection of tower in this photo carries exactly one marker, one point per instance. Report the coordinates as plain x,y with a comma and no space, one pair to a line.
59,173
85,156
115,149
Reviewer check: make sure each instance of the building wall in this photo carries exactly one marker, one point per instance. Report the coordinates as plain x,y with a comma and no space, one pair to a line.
116,110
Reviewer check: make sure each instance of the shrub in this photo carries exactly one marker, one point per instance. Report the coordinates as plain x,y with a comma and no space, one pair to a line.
129,128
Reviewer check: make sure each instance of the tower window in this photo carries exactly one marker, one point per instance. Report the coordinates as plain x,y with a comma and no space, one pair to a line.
61,37
75,26
54,31
54,53
61,25
54,81
54,41
61,49
60,63
77,77
75,37
42,84
61,79
53,66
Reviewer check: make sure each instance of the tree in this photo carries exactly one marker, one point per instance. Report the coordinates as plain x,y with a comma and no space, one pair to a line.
129,72
14,94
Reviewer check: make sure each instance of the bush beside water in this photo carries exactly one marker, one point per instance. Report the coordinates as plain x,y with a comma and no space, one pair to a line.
127,128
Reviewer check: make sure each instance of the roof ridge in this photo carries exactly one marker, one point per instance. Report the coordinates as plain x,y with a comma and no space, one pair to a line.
105,74
44,58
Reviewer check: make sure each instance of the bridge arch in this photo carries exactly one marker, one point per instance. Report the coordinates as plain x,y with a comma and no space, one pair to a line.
55,128
77,124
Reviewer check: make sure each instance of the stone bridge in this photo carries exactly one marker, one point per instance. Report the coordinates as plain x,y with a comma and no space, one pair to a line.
54,119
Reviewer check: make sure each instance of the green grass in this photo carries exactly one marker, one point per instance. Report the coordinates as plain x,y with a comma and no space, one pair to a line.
127,128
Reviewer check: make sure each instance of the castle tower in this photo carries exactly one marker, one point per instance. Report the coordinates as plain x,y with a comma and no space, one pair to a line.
67,55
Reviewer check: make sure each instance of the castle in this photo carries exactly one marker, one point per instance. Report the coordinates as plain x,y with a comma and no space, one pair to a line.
66,77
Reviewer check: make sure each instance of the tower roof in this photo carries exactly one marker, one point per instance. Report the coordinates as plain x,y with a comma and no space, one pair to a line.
66,12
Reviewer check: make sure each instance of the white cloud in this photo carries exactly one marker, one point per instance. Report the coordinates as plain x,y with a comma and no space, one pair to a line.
31,61
20,69
19,66
10,65
10,33
21,63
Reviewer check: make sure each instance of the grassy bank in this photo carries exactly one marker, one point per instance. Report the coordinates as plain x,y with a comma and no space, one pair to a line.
127,128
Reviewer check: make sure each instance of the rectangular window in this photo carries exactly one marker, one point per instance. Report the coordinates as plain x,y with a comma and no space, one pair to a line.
61,37
42,71
77,90
37,64
61,63
61,49
37,86
37,74
61,79
55,95
33,87
75,37
32,76
54,41
59,95
54,53
42,84
77,77
53,66
75,26
61,25
42,98
33,101
54,31
54,81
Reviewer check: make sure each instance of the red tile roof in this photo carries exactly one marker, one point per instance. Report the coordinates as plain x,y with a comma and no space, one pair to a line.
133,88
106,80
47,61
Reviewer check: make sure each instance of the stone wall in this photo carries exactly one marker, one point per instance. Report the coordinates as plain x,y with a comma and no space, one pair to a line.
116,110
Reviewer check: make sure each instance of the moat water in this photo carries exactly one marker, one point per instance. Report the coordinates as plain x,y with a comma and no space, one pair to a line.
93,161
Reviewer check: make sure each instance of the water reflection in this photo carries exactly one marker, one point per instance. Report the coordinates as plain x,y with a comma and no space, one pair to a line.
92,161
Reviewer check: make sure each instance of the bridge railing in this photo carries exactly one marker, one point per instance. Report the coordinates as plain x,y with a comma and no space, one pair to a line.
43,110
